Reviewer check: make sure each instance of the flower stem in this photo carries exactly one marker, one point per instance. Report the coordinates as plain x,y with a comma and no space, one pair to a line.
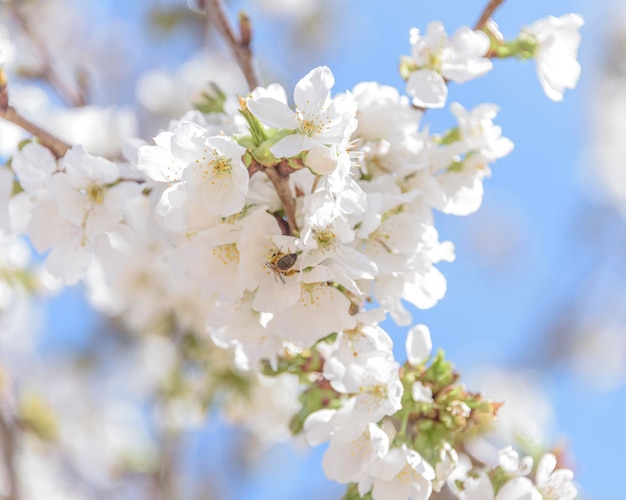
488,11
281,184
7,439
404,423
73,97
240,46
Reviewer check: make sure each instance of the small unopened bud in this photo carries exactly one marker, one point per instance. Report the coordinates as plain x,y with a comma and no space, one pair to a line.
245,29
460,412
321,159
418,344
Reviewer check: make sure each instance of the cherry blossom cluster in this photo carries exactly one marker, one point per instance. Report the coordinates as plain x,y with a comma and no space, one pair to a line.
510,479
265,229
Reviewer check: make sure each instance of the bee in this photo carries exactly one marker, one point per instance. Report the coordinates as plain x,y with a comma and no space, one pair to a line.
282,263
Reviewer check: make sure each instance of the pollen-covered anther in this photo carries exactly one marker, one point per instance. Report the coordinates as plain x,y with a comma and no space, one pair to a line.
325,238
226,253
309,128
96,193
222,166
379,390
434,60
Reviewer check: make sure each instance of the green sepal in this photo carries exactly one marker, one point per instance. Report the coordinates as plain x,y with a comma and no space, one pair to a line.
263,155
523,47
245,141
455,166
440,372
257,130
23,143
452,135
499,478
407,66
16,188
314,398
262,152
352,493
212,101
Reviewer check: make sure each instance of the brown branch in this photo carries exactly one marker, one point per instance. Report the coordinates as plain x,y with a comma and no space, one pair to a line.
240,46
9,113
281,184
279,175
284,168
254,167
165,476
72,98
490,8
8,445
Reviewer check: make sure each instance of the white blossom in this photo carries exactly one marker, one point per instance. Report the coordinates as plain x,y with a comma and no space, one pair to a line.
553,483
349,462
318,120
401,474
557,40
510,461
439,58
478,132
518,488
206,170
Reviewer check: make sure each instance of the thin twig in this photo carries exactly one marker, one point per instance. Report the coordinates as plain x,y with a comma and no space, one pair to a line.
240,46
54,144
9,113
8,444
254,167
490,8
165,476
281,184
72,98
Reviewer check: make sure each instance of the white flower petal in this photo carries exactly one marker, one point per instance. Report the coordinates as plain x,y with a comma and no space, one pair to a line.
313,91
159,165
519,488
428,89
546,466
273,113
292,145
418,344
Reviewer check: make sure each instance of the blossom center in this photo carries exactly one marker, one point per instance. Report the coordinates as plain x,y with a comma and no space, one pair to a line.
222,167
434,60
226,253
309,127
95,193
325,238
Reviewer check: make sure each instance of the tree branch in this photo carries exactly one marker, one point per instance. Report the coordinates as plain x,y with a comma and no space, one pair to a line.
7,440
9,113
490,8
57,146
72,98
281,184
54,144
239,46
165,475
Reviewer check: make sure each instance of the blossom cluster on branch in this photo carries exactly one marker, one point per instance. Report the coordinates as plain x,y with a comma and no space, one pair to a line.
282,235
